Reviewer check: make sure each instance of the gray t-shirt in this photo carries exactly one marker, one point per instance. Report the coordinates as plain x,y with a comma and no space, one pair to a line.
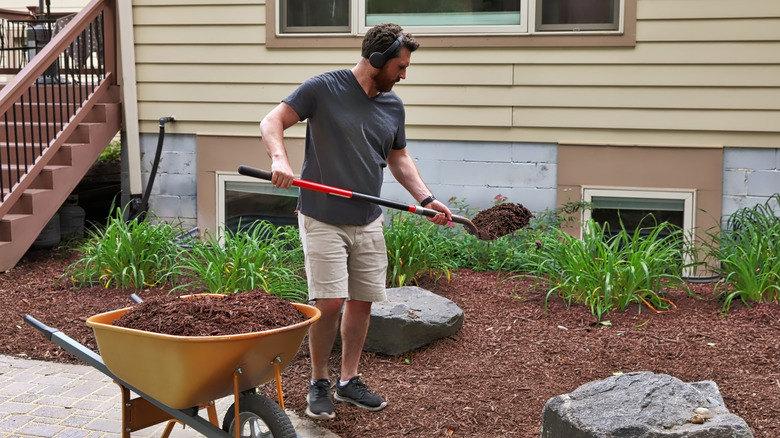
348,139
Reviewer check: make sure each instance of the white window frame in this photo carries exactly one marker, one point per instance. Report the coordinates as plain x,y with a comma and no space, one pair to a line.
521,28
575,28
688,196
222,179
527,25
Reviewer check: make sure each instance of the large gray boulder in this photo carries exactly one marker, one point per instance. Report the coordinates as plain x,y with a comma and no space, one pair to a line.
410,318
645,405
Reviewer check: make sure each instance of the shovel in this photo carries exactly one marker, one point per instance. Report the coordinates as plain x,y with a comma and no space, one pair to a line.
304,184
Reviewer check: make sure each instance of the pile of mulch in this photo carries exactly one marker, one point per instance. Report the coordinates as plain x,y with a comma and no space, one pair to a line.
502,219
211,315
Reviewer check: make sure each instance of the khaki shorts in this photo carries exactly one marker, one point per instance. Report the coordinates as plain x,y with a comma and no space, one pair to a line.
344,261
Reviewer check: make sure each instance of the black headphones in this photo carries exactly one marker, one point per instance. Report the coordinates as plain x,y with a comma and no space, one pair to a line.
379,59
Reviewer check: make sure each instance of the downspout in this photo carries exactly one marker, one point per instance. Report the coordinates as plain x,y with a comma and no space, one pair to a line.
129,96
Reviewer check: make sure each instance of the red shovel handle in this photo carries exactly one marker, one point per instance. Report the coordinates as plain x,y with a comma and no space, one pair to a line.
304,184
297,182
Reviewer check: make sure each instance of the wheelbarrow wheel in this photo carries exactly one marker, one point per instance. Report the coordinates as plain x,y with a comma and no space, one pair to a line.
259,417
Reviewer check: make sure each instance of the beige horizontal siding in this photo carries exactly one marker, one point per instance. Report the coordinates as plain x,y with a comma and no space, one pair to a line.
757,98
696,10
681,53
649,75
764,29
225,36
649,119
764,98
697,75
167,3
206,14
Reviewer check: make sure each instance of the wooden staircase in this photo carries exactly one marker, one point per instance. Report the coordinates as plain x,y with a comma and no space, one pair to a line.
29,214
51,132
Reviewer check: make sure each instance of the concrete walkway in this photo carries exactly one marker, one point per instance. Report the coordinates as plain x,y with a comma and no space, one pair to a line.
49,399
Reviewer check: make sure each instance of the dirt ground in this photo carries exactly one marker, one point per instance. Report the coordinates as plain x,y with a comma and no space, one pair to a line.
492,378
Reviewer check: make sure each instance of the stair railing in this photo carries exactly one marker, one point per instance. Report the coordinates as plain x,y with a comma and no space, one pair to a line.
43,104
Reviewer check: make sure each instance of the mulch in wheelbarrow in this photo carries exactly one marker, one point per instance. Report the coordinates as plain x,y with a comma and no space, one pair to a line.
211,315
502,219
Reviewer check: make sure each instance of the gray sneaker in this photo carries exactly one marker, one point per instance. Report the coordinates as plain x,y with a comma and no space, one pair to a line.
320,406
357,393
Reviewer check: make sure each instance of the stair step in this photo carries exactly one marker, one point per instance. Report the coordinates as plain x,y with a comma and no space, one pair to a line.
27,202
37,125
9,223
12,155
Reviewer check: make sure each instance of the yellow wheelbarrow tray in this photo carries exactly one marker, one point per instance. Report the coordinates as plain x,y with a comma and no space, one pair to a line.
180,374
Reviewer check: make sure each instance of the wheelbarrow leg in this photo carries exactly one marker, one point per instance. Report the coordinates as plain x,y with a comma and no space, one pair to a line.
138,413
278,374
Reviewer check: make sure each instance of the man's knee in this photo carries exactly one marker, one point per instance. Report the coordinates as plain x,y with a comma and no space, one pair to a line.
329,307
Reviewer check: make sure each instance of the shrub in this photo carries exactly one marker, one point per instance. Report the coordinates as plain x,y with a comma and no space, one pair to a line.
128,255
263,256
749,253
415,247
609,273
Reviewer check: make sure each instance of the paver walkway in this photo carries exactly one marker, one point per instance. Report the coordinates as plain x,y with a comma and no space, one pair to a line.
50,399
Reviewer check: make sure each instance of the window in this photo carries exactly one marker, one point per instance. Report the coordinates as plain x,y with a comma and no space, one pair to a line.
450,17
243,200
577,15
302,16
637,208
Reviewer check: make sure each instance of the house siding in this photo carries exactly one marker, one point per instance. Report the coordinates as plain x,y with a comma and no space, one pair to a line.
696,78
56,5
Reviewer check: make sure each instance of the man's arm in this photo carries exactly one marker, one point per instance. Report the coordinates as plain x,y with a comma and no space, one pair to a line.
405,172
272,129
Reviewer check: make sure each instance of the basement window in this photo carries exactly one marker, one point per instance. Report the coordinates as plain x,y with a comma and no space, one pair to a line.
243,200
633,206
641,208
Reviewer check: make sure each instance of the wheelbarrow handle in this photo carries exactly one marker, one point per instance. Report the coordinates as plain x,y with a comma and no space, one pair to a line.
310,185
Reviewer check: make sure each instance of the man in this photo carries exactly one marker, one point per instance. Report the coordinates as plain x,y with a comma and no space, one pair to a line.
355,127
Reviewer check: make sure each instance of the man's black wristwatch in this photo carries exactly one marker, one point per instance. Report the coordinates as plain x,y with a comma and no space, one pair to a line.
427,201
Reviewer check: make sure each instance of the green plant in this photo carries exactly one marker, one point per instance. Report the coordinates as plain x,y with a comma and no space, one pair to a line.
749,253
127,255
563,215
459,206
608,273
112,153
263,256
416,247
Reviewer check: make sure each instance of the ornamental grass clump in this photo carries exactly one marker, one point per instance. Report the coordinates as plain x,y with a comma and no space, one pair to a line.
607,273
748,249
260,256
128,255
417,247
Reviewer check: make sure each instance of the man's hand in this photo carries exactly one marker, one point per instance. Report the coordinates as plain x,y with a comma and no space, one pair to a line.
443,217
282,174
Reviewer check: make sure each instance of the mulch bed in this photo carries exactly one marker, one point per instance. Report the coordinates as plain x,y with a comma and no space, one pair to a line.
492,378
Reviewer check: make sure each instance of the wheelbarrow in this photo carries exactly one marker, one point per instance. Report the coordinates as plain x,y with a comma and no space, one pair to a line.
177,376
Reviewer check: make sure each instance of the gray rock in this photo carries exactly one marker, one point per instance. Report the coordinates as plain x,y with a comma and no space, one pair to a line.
410,318
641,405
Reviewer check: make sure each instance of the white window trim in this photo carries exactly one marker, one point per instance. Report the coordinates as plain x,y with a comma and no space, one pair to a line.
522,28
526,27
221,180
688,196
